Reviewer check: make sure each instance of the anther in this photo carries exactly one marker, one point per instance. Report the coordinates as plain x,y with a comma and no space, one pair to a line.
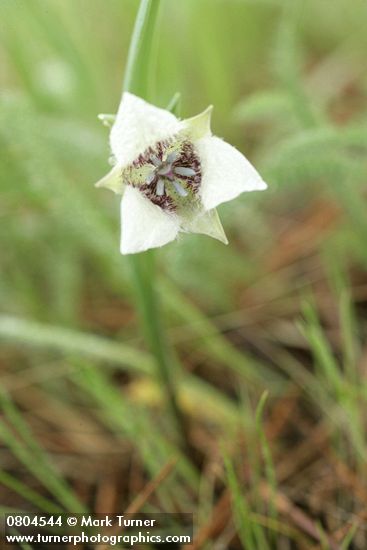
183,171
180,190
160,187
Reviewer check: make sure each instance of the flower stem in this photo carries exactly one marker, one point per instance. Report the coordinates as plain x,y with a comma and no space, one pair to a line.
139,61
137,80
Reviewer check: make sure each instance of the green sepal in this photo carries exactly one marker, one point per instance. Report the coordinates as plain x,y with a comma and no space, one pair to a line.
206,223
113,180
107,120
174,106
198,126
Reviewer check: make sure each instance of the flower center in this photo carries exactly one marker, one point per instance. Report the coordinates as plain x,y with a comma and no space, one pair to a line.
168,174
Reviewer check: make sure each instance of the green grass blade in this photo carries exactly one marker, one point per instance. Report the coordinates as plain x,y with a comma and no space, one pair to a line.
34,458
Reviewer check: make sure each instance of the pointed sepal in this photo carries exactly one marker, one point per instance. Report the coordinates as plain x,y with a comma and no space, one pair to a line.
198,126
113,180
206,223
107,120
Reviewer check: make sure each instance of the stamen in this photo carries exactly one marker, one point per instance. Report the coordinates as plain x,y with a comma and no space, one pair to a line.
172,157
155,160
160,187
183,171
180,190
150,178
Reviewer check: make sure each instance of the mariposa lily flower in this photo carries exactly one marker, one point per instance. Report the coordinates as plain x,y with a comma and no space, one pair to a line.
171,174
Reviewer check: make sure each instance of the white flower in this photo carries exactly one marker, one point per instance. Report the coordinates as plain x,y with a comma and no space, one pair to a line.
172,174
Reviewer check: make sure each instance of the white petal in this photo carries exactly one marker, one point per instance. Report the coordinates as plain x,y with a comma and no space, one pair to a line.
225,172
143,224
138,126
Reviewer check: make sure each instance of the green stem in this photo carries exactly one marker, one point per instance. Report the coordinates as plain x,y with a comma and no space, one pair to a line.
137,80
139,60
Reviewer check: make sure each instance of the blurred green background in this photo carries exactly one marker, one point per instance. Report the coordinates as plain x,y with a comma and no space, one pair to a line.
281,310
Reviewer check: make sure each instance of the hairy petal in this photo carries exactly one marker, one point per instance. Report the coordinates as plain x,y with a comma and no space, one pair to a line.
139,125
226,173
143,224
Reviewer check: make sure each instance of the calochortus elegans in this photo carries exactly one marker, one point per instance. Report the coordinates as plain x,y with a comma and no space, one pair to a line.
172,174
